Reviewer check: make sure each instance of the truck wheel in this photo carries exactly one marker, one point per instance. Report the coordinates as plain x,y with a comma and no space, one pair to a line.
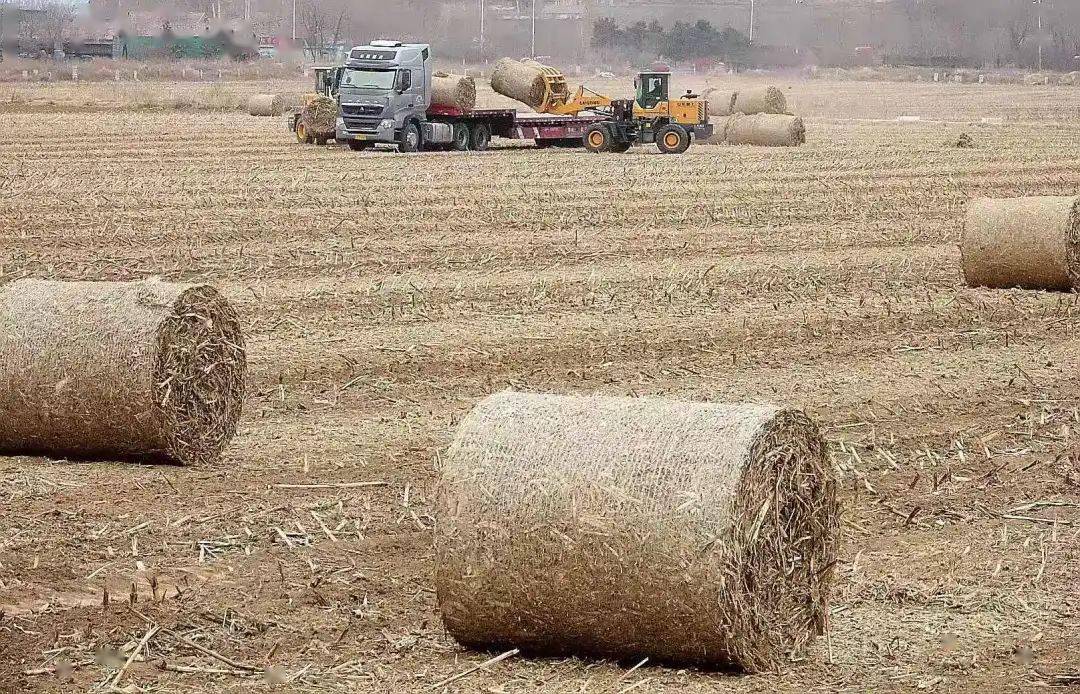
460,142
599,138
410,139
672,139
301,134
481,137
359,145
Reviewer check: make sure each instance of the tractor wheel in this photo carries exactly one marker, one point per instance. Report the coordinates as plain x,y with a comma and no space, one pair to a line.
460,143
302,135
672,139
599,138
481,137
410,139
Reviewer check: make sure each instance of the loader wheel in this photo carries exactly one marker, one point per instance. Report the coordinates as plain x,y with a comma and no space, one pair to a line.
599,138
672,139
460,143
301,134
410,139
481,137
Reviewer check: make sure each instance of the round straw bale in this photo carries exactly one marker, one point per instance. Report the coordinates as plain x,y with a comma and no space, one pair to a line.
114,369
765,130
319,116
719,100
759,100
453,91
265,105
1030,243
623,528
520,81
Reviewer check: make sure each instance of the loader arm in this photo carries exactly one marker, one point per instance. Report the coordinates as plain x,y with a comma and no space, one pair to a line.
583,100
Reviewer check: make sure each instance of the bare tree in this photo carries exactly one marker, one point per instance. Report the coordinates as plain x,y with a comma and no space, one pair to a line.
323,29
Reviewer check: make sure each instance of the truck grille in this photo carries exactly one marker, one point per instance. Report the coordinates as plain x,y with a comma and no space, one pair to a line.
361,125
361,110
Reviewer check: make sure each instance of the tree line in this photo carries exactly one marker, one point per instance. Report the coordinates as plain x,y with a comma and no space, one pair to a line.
682,41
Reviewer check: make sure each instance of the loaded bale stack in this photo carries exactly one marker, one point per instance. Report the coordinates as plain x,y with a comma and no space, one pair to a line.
453,91
265,105
623,527
520,81
319,116
1025,243
146,370
756,100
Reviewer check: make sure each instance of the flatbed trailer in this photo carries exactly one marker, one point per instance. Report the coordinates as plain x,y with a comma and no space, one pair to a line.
452,129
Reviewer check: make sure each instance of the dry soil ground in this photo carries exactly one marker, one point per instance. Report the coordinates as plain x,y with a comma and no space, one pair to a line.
384,294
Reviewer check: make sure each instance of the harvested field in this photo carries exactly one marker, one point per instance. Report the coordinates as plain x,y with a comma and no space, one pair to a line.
383,295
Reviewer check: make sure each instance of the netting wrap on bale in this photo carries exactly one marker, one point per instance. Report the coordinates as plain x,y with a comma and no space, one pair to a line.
453,91
319,116
759,100
520,81
623,528
763,130
1029,243
113,369
266,105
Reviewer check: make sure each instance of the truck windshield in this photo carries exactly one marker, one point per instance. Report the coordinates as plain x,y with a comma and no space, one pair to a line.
368,79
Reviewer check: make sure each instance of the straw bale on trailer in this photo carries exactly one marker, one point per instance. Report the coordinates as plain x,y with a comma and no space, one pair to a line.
265,105
453,91
622,528
115,369
319,117
521,81
1030,243
759,100
763,129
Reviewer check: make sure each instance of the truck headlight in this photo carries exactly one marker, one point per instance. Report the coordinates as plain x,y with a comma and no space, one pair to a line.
387,123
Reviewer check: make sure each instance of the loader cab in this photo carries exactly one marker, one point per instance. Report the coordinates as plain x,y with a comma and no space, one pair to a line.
327,80
652,89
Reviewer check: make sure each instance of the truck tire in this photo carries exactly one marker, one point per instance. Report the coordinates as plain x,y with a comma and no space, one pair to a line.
672,139
359,145
410,140
301,134
599,138
480,137
461,137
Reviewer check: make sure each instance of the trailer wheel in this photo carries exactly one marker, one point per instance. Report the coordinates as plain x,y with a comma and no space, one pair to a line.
672,139
410,139
481,137
460,143
599,138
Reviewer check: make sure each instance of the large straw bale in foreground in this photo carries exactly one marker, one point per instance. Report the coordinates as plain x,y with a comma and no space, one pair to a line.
1030,243
520,81
763,129
453,91
319,117
624,528
113,369
759,100
266,105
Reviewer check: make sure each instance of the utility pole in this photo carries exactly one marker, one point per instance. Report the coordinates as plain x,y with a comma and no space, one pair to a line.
294,22
1039,3
532,44
752,22
481,31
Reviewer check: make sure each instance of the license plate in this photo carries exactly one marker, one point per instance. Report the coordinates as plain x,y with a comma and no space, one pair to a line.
360,137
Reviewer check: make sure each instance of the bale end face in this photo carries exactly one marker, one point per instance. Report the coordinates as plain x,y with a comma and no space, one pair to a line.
591,526
199,375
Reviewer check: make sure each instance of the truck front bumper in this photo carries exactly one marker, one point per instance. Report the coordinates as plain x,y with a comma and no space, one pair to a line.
383,132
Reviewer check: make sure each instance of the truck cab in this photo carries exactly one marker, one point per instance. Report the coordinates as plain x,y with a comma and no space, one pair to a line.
384,91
